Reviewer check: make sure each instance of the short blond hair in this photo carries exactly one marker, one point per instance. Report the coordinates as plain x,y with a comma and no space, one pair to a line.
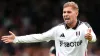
71,4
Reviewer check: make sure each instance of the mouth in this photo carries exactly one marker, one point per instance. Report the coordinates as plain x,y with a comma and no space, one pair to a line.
67,18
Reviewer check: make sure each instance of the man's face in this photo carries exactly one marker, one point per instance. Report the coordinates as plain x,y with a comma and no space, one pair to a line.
69,15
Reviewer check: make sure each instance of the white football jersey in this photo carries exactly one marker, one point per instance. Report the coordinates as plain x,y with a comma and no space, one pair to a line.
68,41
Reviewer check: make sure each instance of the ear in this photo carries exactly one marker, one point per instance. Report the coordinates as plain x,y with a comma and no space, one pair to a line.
77,13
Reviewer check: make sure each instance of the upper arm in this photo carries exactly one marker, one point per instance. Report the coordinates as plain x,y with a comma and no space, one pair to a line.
50,34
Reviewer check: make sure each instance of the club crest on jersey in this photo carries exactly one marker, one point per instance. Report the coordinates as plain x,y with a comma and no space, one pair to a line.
78,33
62,35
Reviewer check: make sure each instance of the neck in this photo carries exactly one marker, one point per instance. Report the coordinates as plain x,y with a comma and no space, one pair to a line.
73,24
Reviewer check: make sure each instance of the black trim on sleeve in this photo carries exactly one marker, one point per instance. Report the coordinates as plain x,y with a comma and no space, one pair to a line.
87,24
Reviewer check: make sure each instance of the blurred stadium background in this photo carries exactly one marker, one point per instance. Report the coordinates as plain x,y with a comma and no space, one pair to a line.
36,16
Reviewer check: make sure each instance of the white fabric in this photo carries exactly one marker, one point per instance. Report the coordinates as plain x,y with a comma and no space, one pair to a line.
68,42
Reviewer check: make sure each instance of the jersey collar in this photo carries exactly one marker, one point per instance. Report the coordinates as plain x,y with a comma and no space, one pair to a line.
77,24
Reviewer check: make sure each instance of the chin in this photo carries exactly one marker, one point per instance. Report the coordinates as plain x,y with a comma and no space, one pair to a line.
67,22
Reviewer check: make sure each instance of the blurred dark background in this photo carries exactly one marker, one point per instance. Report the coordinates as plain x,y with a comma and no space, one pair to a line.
36,16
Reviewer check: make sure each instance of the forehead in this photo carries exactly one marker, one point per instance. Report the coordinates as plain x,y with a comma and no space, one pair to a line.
68,9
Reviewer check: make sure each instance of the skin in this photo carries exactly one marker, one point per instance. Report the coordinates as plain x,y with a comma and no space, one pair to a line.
68,13
52,54
71,14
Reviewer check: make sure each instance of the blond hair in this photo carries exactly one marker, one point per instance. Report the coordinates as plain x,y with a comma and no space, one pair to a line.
71,4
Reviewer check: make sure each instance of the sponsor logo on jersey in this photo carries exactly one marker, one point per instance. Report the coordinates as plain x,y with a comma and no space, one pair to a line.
70,44
62,35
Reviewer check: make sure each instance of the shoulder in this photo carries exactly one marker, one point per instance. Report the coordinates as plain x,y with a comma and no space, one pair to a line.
87,24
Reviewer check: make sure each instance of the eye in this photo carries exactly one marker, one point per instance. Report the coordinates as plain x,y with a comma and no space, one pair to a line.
64,11
69,12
